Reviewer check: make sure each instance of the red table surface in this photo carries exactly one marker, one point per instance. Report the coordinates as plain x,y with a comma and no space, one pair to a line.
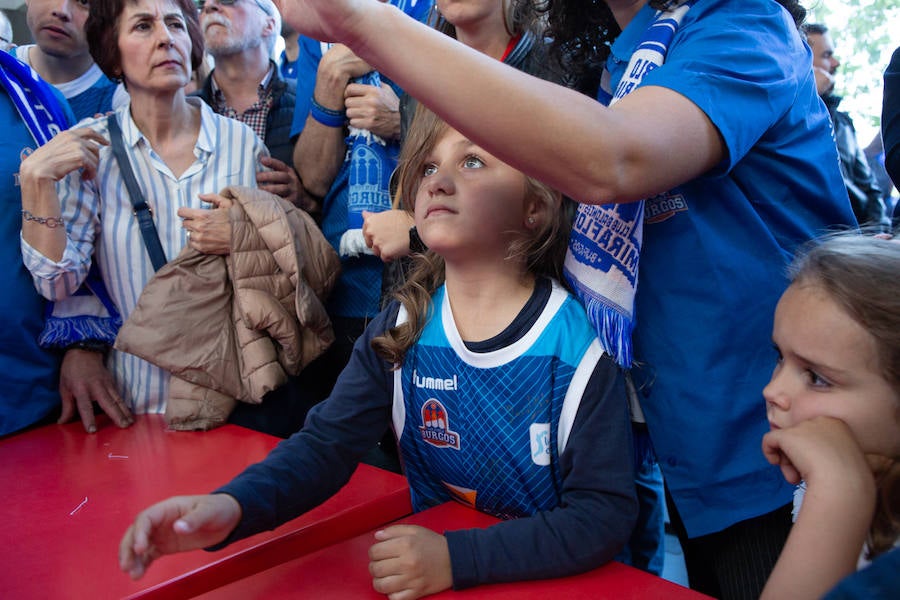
70,496
341,571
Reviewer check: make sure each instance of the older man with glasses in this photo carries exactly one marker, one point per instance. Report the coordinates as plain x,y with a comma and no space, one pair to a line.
246,85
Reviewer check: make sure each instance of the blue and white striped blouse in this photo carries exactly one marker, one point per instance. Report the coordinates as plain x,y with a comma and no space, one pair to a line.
98,215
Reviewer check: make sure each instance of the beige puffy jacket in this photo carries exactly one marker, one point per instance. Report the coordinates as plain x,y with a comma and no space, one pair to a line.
231,328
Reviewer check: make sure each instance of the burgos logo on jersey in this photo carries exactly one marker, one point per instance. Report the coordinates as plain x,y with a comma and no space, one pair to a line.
435,429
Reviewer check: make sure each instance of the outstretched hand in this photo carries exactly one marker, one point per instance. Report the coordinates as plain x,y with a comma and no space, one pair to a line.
408,562
178,524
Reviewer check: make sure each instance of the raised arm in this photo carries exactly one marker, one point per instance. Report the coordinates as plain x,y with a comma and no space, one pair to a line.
591,153
320,148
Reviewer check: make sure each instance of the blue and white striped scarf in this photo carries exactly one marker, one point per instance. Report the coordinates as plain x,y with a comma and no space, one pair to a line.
604,248
371,160
33,98
42,113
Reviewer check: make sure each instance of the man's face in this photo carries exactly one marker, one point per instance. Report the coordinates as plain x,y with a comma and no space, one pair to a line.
58,26
824,62
823,52
234,28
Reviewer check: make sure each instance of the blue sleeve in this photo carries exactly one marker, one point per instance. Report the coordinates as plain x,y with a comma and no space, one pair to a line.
742,64
312,465
881,579
597,511
307,66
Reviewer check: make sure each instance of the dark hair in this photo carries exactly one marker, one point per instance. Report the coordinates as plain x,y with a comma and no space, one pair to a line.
816,28
583,30
862,275
542,250
102,32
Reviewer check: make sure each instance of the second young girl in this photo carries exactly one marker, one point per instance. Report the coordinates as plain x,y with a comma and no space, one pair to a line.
834,408
493,381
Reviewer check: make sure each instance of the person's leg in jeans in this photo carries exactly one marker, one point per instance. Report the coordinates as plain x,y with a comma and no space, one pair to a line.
646,548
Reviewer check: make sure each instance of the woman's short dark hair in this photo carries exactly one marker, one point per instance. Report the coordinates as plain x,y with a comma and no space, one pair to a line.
102,32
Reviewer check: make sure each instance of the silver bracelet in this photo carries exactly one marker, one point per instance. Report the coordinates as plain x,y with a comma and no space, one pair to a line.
51,222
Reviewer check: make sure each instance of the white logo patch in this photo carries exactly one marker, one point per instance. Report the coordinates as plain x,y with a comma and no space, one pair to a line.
539,433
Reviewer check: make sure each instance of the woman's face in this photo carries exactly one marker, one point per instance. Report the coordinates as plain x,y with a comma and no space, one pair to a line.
471,13
155,46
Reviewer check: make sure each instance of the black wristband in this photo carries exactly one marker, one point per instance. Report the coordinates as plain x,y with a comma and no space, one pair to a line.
416,245
89,345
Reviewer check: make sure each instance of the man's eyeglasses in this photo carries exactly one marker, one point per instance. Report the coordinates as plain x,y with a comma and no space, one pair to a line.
262,7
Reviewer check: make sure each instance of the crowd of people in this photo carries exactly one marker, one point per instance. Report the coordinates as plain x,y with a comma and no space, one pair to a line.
537,252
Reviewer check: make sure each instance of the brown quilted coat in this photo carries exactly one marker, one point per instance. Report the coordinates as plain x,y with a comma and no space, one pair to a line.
231,328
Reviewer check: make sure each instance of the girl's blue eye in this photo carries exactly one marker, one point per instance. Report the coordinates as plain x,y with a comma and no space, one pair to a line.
429,169
83,3
473,162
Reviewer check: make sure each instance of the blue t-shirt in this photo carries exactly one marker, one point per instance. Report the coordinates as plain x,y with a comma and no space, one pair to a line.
287,68
878,581
95,100
357,293
29,387
715,249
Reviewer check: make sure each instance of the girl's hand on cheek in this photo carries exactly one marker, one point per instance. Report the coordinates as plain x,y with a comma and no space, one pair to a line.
818,450
409,562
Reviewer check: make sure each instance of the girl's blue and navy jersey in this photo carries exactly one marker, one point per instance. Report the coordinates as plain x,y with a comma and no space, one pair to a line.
487,429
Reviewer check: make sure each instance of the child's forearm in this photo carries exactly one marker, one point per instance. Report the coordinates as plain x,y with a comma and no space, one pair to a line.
825,543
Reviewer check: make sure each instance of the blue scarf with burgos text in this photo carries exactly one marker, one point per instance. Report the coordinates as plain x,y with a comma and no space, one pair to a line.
371,160
605,245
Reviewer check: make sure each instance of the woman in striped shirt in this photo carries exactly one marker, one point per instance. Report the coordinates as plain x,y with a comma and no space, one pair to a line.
182,154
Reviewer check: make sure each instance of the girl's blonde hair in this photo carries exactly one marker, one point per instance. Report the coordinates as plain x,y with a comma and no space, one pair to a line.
862,275
543,249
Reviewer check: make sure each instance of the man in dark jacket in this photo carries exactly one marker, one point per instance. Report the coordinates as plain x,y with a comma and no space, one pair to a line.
862,188
246,85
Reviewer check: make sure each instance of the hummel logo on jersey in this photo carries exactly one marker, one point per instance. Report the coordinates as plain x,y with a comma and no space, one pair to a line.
433,383
435,428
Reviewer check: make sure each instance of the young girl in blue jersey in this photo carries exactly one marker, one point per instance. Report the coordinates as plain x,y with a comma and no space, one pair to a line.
495,385
834,409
